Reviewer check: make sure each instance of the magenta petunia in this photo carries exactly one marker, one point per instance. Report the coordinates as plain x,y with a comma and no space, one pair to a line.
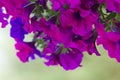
49,54
110,41
80,24
25,16
112,5
48,28
71,60
63,29
26,50
3,16
68,60
14,7
61,4
22,9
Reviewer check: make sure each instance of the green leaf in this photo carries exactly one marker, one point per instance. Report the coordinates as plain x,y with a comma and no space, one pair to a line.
38,10
118,17
32,0
111,16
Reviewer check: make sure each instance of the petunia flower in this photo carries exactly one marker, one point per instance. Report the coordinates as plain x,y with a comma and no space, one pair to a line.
43,3
81,24
2,18
111,5
110,41
26,50
14,7
17,29
69,60
61,4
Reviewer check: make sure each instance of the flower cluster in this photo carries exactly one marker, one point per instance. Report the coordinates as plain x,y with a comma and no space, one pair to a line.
63,29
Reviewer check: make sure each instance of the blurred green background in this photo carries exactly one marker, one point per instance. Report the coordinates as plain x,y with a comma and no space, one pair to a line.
94,67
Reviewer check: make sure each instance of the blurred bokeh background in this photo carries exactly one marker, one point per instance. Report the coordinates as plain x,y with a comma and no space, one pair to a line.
94,67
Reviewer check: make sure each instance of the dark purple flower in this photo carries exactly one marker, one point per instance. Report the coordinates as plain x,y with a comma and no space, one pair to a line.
116,27
43,3
17,29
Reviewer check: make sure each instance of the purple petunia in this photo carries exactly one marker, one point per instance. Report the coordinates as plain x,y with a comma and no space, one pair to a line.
17,29
43,3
